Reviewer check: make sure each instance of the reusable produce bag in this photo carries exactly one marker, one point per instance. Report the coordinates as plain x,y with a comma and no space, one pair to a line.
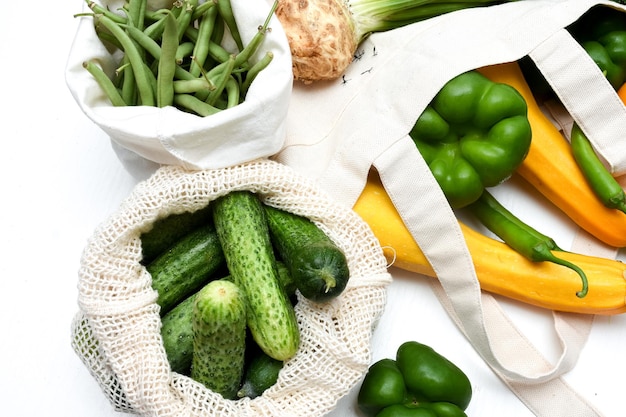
116,333
337,131
253,129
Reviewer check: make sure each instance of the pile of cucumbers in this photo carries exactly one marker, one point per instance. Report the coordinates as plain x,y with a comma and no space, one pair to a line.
226,278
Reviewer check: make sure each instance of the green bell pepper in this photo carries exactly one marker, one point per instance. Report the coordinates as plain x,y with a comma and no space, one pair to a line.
418,383
602,33
474,134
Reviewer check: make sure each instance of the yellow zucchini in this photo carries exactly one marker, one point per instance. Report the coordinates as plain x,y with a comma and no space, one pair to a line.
500,269
551,168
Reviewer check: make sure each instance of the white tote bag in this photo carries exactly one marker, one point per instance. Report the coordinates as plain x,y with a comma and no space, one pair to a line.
338,130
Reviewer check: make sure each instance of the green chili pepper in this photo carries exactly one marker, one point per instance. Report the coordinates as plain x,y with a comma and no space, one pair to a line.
602,33
606,187
418,383
524,239
474,134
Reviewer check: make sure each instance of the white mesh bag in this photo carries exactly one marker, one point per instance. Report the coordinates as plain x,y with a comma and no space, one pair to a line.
116,333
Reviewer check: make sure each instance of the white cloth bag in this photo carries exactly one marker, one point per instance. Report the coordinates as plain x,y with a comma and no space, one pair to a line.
338,130
253,129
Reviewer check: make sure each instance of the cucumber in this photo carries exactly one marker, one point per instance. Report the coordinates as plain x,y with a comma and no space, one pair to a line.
219,337
284,277
176,327
186,267
240,222
166,231
318,267
261,372
177,335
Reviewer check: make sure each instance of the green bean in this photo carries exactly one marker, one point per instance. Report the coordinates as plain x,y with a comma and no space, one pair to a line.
218,32
145,90
152,79
154,49
96,8
167,63
220,80
201,50
129,86
201,9
155,30
193,86
177,7
603,184
106,37
246,53
105,83
191,103
528,243
226,12
192,34
233,96
212,76
155,15
255,70
150,45
184,50
218,52
185,17
136,12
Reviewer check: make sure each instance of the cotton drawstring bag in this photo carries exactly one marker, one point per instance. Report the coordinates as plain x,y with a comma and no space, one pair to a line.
116,332
142,134
337,131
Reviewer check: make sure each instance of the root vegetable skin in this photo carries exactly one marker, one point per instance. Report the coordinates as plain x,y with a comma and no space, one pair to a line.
321,36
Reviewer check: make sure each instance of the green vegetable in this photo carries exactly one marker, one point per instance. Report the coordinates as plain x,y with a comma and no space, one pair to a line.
177,331
159,48
604,185
260,374
286,281
602,33
167,63
177,334
519,236
166,231
140,72
474,134
325,54
186,267
418,383
242,229
219,337
317,266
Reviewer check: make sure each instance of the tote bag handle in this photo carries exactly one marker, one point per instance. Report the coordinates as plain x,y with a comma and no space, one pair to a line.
586,94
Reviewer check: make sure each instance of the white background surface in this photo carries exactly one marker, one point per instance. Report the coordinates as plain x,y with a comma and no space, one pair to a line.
61,178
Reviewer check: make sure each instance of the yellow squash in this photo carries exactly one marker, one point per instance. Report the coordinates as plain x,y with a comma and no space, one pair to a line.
500,269
551,169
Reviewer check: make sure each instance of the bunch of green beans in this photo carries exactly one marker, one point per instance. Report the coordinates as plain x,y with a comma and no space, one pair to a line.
175,57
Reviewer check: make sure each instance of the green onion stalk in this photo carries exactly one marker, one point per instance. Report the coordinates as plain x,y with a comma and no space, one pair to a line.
324,34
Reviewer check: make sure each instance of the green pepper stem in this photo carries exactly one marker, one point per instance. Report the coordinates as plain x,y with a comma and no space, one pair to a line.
542,253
